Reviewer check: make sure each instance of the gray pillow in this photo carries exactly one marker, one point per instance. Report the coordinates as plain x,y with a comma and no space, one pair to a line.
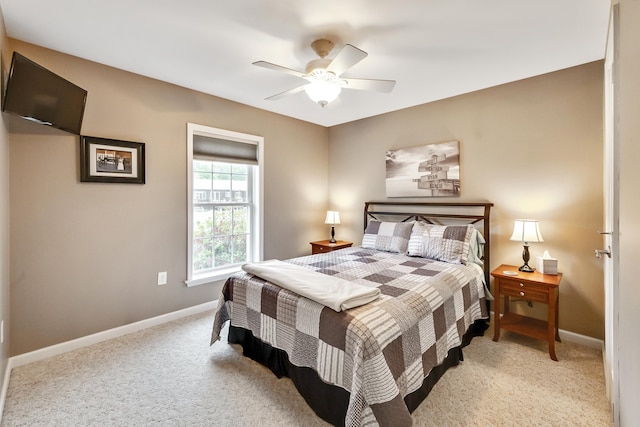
387,236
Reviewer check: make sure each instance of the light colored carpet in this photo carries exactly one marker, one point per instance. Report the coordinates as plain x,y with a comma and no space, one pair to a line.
169,376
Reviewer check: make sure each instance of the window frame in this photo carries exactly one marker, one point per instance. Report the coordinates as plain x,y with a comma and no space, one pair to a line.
255,250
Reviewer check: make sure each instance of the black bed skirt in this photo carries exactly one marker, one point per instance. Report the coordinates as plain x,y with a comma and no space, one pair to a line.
328,401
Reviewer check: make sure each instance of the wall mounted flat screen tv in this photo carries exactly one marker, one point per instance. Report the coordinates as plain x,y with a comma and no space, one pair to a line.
41,96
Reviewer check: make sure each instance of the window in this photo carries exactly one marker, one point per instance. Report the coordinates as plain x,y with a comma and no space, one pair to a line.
225,209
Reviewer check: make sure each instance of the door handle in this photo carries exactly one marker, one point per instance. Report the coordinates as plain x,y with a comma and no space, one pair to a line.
600,252
605,232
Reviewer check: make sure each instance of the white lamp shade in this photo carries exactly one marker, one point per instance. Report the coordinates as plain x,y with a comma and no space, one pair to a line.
526,230
322,92
333,217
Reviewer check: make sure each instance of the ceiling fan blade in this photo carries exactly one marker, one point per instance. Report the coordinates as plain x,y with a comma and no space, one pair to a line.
280,68
347,58
370,84
285,93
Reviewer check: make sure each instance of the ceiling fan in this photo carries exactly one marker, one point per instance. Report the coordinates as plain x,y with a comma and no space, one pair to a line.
323,75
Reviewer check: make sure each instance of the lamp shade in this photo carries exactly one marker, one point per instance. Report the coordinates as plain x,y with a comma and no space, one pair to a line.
322,91
333,217
526,230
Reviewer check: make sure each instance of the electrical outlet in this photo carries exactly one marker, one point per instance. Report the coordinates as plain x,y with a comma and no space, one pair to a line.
162,278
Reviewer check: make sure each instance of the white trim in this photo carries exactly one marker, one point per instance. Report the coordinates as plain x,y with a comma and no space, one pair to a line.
584,340
218,275
611,187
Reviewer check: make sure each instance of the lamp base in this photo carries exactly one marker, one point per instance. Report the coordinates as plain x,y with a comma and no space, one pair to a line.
333,235
525,258
527,269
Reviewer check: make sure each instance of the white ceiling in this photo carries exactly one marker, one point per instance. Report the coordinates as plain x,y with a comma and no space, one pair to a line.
434,49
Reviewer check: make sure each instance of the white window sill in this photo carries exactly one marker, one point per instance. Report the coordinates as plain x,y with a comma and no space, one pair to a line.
214,276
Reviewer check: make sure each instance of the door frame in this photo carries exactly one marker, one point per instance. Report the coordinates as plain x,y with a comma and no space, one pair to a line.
610,234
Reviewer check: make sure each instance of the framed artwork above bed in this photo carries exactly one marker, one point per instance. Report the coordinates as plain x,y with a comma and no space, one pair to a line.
431,170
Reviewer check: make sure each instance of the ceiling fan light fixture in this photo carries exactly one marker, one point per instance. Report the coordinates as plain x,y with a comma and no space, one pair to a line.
324,74
322,92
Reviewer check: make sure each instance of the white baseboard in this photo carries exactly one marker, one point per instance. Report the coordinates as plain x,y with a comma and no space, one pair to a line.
54,350
581,339
574,338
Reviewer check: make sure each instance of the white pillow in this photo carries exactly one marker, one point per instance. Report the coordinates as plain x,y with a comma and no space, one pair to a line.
448,243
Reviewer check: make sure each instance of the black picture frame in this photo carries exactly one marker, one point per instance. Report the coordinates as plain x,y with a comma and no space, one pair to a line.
111,160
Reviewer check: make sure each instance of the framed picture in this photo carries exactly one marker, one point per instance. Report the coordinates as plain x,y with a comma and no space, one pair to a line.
110,160
426,171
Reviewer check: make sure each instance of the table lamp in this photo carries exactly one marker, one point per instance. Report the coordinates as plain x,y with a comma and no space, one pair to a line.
526,230
333,218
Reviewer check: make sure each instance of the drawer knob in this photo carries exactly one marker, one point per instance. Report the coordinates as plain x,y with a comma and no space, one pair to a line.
521,285
521,293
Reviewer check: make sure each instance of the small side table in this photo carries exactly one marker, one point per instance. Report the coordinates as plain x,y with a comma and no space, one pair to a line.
323,246
534,286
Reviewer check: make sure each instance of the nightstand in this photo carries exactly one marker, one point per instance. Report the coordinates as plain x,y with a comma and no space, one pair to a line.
323,246
536,287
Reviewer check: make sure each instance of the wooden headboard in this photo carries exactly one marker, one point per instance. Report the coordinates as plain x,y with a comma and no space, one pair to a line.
476,213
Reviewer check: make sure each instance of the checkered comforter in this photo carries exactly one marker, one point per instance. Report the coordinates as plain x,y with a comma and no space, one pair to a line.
379,352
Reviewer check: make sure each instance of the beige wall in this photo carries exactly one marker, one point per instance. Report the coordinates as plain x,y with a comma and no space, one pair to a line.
4,224
533,148
85,256
629,288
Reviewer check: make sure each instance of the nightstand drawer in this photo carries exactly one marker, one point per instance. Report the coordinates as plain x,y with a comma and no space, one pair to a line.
528,291
317,249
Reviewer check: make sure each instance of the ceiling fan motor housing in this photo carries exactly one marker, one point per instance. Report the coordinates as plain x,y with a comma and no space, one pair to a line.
317,64
322,47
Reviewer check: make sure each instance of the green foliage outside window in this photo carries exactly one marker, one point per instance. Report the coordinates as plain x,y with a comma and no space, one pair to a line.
221,237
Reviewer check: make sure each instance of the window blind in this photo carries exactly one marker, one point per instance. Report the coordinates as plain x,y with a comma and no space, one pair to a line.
216,149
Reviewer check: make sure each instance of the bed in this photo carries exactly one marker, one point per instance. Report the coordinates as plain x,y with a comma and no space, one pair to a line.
374,363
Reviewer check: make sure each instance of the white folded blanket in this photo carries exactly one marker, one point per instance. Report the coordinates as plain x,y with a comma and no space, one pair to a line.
335,293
